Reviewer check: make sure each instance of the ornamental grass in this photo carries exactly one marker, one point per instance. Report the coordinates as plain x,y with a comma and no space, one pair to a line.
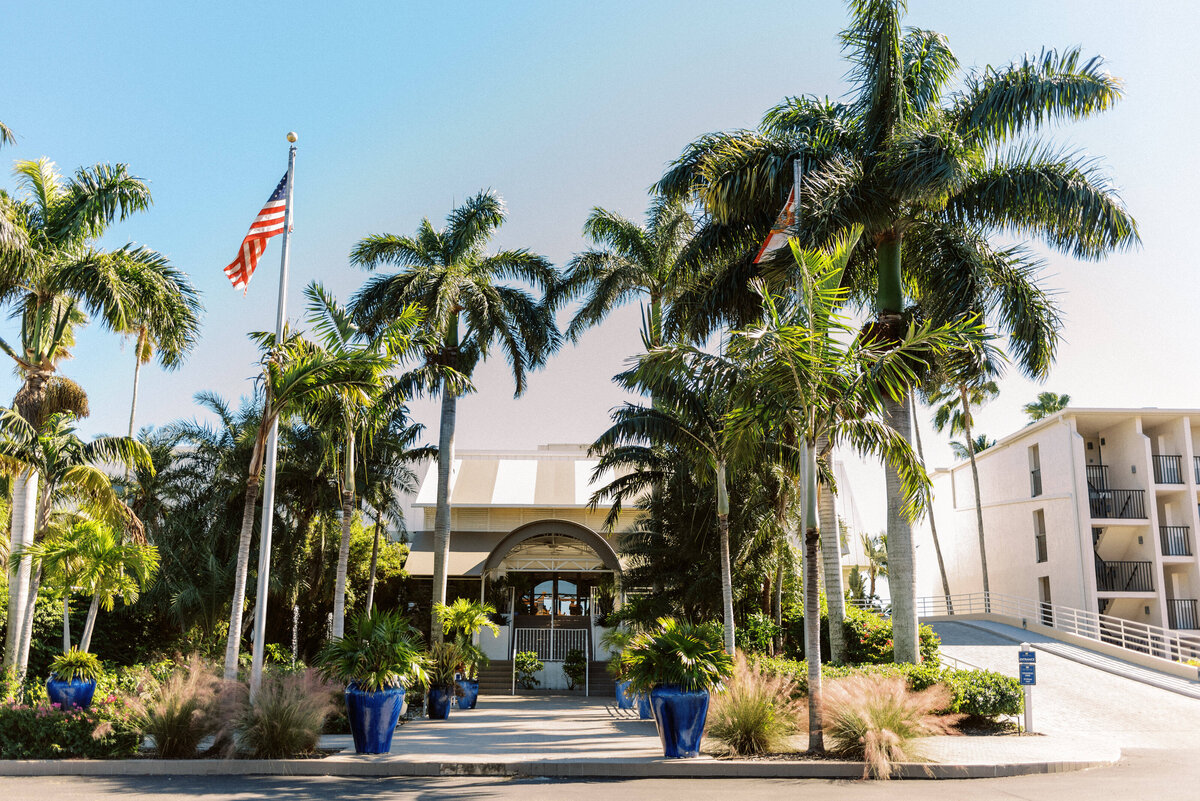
757,712
286,717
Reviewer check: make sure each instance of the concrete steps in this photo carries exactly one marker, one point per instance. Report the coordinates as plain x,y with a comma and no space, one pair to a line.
496,679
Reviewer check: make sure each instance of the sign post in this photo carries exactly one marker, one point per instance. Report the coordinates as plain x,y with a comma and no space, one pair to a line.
1027,671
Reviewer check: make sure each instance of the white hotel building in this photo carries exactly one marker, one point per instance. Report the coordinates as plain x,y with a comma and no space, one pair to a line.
1094,509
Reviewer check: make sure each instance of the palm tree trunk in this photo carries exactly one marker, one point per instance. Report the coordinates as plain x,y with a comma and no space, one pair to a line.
233,641
441,522
66,620
85,642
374,562
902,579
937,547
812,602
339,586
27,624
726,563
831,560
966,404
779,601
137,371
24,521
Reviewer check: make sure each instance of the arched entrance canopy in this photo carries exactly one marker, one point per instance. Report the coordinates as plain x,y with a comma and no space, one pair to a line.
545,529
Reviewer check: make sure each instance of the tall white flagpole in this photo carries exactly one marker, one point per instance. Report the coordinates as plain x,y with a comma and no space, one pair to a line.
268,502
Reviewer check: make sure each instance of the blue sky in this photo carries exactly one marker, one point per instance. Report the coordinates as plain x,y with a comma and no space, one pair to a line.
405,109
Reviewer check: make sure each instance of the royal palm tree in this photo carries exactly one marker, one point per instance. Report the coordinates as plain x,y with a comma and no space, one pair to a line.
978,444
629,261
1047,403
935,172
352,412
467,311
71,470
875,550
955,399
52,275
294,373
937,543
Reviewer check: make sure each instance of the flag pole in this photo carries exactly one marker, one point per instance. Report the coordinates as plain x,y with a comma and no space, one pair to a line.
268,503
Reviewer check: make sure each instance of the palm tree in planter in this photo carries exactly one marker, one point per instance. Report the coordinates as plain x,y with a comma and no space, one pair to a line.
463,620
676,664
615,641
73,677
467,312
445,658
378,658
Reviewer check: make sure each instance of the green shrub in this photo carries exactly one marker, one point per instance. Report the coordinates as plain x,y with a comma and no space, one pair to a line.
575,668
285,718
876,718
677,653
527,666
107,730
984,693
756,712
76,664
869,639
378,650
756,633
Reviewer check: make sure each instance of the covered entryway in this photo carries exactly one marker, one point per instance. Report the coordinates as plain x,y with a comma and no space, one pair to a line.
559,580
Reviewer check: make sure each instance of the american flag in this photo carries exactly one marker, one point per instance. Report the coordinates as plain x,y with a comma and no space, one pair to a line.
267,224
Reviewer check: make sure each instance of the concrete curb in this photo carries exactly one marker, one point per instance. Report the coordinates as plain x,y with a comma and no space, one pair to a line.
609,769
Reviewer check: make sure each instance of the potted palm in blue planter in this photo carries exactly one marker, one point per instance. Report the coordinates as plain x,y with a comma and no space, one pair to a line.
676,664
72,681
614,641
377,659
444,661
463,620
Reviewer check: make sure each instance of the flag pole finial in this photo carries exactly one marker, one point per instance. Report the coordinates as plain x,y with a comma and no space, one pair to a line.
292,137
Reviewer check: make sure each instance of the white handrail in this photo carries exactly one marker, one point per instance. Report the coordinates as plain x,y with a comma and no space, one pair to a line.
1144,638
550,645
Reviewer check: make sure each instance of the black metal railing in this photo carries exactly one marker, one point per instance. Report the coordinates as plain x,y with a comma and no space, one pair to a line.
1167,469
1175,540
1035,482
1042,555
1124,576
1115,503
1183,613
1097,476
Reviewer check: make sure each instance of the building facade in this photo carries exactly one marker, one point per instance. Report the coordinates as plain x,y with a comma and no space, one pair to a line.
1095,509
524,539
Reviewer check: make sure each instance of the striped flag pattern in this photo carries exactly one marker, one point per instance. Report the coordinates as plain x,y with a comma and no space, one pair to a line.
267,224
778,238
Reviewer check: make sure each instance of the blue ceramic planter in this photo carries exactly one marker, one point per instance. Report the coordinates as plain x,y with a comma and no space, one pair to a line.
439,702
74,694
470,693
645,712
373,717
680,717
624,699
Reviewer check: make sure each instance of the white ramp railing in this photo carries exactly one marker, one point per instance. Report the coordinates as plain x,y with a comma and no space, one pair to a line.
1170,644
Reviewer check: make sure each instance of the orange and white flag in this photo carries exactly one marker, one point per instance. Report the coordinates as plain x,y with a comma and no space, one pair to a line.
778,238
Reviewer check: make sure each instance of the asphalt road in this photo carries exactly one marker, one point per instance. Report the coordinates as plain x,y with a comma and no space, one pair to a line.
1159,775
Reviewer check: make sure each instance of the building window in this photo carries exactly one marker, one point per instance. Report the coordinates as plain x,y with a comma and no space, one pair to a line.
1047,611
1035,472
1039,534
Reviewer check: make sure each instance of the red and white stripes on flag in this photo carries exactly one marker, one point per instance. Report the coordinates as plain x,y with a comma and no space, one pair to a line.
267,224
778,238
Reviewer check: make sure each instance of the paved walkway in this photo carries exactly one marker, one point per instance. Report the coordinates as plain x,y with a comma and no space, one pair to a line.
1074,700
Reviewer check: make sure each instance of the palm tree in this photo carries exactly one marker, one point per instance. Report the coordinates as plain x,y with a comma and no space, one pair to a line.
467,311
347,411
70,470
294,373
1047,403
937,544
955,400
802,373
165,322
6,135
978,444
630,261
52,275
876,551
936,171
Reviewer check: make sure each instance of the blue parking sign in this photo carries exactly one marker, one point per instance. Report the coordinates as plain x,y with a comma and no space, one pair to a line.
1026,656
1027,674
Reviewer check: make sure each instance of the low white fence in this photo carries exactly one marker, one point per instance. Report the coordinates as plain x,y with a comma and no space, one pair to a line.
550,645
1170,644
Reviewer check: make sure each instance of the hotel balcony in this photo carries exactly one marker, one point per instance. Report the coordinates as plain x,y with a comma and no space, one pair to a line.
1124,576
1168,469
1176,540
1182,613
